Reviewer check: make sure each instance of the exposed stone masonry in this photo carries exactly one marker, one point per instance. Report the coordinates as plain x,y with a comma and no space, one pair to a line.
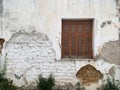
30,54
88,74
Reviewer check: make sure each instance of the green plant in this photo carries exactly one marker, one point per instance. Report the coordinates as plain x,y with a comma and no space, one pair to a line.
110,84
79,86
45,83
5,84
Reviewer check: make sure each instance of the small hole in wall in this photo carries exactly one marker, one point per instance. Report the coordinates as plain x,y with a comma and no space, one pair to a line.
119,19
108,22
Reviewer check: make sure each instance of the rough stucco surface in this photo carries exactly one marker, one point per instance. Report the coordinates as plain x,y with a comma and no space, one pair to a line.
88,74
111,52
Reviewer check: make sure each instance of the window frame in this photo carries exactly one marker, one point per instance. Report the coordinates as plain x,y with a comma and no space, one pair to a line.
77,58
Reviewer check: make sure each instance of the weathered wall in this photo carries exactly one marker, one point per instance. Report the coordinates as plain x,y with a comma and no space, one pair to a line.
32,31
41,15
1,17
30,53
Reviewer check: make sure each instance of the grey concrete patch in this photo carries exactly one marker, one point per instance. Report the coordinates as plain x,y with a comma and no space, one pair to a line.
111,52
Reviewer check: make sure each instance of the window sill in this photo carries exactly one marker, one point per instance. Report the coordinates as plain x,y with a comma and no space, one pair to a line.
76,59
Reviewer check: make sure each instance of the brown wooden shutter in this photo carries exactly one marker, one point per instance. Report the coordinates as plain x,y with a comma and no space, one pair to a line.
77,38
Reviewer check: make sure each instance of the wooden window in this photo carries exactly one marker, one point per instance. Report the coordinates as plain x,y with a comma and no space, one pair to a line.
77,39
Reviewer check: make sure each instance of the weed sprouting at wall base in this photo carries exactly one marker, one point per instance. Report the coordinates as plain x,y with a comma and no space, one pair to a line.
45,83
110,84
5,84
79,86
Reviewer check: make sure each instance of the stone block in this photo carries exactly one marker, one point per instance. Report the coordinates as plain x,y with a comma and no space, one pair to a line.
88,74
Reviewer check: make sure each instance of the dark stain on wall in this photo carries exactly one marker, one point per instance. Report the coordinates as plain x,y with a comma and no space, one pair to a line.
105,23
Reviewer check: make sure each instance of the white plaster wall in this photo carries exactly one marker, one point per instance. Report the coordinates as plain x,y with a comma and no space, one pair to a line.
45,16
